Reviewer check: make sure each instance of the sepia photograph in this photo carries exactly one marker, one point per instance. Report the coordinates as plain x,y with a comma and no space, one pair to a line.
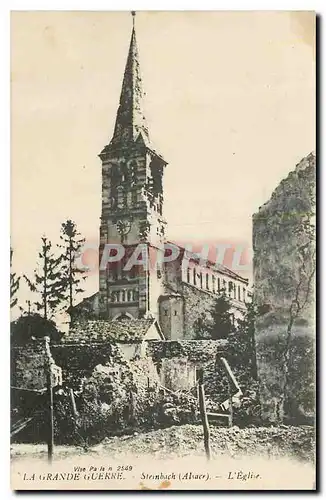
163,250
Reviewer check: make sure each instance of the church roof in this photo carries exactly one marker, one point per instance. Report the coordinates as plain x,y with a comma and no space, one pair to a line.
123,330
130,121
196,257
130,126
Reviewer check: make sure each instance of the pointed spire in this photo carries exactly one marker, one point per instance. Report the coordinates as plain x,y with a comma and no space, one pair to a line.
130,121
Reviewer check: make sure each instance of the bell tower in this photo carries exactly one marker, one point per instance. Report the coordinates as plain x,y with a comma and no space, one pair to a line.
132,202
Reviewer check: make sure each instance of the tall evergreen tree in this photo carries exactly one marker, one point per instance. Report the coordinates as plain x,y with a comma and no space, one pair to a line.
219,323
72,243
14,283
47,281
244,340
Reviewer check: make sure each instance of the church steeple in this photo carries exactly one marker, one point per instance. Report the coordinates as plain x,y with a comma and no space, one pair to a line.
130,122
132,201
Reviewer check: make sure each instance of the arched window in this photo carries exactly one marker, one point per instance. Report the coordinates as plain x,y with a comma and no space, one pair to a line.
218,285
134,196
207,281
133,272
133,171
188,275
244,294
123,296
194,276
130,295
214,283
201,280
239,292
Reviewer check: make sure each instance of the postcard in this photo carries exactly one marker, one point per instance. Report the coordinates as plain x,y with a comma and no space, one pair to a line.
163,252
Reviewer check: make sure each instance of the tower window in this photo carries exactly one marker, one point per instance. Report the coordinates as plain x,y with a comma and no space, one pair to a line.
119,270
113,272
133,272
188,275
175,313
134,197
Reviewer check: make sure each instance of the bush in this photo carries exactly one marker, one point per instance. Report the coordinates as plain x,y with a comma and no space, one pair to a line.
33,325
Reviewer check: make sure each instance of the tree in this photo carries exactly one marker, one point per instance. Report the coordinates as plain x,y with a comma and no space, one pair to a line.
47,282
14,283
33,325
72,276
245,337
242,355
218,324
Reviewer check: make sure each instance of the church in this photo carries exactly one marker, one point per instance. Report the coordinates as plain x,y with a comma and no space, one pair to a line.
156,301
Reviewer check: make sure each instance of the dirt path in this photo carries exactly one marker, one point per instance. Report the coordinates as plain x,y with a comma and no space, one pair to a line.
187,440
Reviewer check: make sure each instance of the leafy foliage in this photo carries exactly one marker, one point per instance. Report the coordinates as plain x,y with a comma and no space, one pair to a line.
243,342
242,352
33,325
217,324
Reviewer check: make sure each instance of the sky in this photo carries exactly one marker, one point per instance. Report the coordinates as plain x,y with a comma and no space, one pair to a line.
230,105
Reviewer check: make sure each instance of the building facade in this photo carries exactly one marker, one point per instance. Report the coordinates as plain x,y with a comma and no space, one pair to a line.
137,278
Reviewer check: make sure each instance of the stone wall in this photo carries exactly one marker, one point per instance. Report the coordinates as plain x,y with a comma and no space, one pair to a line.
171,309
197,351
283,243
78,360
178,374
196,302
124,331
178,360
30,365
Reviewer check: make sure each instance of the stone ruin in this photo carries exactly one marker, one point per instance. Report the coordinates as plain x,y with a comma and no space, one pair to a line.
121,384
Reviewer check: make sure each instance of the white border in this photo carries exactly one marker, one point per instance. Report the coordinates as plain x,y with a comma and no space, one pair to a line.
5,8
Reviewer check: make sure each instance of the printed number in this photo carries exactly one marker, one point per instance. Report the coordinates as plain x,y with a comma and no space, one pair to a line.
124,467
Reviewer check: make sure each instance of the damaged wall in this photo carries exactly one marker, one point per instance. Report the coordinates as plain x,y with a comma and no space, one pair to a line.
30,365
177,362
284,265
